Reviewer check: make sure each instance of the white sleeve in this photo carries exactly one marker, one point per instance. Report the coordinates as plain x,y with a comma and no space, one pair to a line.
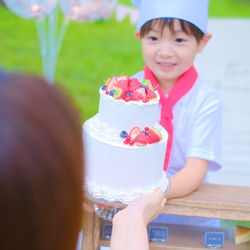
204,140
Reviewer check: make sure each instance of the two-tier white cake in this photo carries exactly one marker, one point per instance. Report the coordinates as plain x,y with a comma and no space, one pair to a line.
117,171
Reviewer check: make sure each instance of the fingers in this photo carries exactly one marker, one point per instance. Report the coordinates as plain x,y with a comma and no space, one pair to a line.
87,207
163,202
159,193
160,197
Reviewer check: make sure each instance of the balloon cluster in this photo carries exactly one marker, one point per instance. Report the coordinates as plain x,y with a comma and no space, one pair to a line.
87,10
31,9
75,10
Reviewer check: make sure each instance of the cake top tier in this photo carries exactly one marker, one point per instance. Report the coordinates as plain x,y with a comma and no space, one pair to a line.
129,89
128,112
126,103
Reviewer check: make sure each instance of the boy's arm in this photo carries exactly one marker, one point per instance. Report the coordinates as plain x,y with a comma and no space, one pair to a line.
189,178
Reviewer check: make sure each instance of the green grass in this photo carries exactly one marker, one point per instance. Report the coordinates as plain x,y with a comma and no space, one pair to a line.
90,53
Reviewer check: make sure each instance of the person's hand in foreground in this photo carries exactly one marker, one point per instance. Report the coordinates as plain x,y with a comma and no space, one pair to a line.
130,224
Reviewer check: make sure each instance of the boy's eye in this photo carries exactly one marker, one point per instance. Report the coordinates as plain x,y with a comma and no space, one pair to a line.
179,40
152,38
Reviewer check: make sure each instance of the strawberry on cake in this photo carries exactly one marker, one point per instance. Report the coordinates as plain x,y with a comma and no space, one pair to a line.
124,143
122,87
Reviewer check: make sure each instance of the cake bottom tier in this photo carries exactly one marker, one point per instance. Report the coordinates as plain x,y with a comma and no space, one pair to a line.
121,173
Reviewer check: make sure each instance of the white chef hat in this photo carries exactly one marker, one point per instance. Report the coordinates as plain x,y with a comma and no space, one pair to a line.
193,11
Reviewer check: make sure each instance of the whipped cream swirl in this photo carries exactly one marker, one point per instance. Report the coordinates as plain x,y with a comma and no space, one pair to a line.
124,196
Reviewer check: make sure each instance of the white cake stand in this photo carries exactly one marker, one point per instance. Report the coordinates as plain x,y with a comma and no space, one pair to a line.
107,210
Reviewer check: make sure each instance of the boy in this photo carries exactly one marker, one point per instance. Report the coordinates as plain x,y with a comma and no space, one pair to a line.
172,32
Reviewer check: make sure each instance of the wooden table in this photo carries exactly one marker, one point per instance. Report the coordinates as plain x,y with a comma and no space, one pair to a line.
210,201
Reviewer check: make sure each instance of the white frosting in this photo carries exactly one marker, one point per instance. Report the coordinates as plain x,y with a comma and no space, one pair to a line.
123,195
115,171
126,115
103,132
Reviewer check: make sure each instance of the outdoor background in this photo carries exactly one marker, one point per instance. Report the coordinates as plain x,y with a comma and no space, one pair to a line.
90,53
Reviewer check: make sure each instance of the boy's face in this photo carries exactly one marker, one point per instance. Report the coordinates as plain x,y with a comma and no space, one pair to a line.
169,54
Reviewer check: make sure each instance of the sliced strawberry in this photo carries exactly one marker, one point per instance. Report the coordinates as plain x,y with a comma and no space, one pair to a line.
134,84
151,94
110,83
141,139
136,96
153,136
134,132
122,84
123,78
142,92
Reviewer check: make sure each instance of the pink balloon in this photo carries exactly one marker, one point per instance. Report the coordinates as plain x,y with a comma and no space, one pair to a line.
87,10
31,8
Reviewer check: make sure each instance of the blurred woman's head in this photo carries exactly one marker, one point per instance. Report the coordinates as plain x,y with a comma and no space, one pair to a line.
40,165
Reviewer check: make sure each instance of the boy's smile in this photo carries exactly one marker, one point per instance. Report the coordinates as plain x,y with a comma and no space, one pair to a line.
169,54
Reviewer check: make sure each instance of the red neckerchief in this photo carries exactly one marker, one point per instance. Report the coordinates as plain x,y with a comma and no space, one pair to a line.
180,88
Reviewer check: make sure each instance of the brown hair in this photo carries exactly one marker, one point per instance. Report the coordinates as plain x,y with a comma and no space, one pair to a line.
40,166
187,27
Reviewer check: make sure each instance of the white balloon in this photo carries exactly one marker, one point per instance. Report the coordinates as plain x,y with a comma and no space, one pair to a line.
87,10
31,8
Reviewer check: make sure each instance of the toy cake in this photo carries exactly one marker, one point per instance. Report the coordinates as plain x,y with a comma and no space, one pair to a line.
124,145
